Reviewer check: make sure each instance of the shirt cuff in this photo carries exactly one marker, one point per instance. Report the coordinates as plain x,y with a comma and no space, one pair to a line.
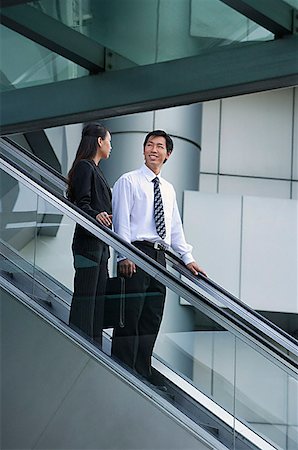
187,258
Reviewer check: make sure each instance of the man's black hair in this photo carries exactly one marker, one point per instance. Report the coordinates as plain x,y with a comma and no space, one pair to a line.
169,142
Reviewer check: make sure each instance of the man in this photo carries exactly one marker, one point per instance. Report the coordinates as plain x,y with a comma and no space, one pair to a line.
145,213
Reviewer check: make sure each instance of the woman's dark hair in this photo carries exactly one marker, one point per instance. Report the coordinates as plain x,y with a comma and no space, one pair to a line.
169,142
87,149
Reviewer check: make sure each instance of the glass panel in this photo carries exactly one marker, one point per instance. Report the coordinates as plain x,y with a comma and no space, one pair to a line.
249,388
150,31
32,231
139,31
258,393
18,229
23,160
33,65
53,227
266,396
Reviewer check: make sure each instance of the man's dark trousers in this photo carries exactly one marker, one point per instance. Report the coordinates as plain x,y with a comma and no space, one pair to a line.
144,305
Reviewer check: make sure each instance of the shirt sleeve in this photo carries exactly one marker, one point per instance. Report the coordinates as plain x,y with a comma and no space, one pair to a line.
122,201
178,242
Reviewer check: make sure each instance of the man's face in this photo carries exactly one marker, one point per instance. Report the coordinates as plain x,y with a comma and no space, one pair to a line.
155,153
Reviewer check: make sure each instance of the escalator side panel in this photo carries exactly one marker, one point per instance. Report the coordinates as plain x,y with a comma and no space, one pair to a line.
55,395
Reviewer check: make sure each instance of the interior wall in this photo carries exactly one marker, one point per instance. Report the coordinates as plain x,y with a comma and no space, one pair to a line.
247,206
250,145
247,244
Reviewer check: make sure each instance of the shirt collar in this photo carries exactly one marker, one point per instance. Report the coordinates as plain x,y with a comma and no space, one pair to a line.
149,174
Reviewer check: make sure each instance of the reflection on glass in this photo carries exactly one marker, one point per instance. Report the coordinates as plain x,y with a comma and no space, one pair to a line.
18,229
150,31
262,396
31,234
233,374
54,228
34,64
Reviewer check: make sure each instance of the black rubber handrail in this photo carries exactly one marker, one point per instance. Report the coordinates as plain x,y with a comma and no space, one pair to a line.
202,279
17,148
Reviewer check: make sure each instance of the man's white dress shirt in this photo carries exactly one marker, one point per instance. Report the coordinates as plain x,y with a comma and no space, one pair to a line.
133,211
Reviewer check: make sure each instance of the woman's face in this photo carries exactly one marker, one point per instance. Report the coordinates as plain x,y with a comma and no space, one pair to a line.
104,146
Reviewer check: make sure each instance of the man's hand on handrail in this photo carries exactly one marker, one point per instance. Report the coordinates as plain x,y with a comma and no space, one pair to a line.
195,268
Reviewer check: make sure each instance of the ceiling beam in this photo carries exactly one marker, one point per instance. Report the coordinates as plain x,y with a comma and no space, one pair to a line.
274,15
228,72
54,35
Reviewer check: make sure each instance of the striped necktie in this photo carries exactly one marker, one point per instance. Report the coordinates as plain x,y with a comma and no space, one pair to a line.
159,216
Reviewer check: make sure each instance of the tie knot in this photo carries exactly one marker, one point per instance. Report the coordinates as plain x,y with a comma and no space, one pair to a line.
155,180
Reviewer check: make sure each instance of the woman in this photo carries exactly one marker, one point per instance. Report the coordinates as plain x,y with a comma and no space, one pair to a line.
89,190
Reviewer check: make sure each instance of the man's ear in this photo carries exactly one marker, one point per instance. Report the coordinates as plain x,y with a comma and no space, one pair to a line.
167,156
99,141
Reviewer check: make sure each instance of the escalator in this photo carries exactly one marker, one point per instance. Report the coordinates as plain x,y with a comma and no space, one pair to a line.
231,375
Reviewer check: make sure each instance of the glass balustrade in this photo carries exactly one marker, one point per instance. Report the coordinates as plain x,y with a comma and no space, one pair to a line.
251,391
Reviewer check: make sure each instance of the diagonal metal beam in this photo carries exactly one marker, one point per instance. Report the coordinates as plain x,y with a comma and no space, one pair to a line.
54,35
229,72
274,15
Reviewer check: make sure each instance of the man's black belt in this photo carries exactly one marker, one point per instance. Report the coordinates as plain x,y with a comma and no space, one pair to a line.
155,245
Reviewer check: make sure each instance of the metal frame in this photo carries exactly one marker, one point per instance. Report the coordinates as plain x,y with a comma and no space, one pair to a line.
43,169
233,70
227,72
54,35
274,15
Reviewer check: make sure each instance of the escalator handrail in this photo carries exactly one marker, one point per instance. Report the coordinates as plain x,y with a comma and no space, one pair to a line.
159,271
34,162
58,179
201,280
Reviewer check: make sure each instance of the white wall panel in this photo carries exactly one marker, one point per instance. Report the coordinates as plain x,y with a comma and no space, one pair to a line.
256,134
210,136
265,235
295,136
208,183
269,254
212,226
295,190
254,186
